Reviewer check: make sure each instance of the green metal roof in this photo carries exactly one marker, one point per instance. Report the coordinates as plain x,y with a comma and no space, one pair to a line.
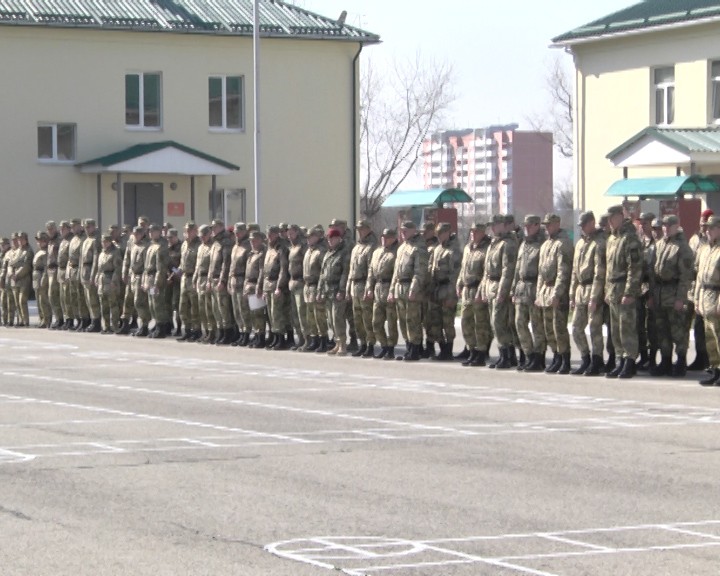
662,187
233,17
435,196
143,149
686,140
644,16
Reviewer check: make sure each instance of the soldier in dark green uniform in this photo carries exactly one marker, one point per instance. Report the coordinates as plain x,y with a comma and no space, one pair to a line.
107,280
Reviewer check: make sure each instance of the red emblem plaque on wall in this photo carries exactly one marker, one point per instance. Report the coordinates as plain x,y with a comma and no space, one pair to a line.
176,208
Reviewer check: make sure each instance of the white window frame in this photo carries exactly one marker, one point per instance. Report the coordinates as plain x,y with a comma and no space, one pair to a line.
141,103
714,91
224,128
664,87
55,159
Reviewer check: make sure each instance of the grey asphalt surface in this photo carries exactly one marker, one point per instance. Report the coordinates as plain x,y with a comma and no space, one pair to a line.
127,456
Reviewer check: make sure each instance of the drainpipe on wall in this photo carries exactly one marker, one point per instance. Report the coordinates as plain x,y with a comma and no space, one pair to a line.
354,188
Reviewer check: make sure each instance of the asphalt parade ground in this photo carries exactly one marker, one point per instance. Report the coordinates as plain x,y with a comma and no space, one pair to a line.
126,456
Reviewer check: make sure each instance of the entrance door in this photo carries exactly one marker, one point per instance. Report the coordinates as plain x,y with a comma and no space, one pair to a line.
143,199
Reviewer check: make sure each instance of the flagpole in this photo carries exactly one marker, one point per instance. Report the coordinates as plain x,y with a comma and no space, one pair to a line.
256,106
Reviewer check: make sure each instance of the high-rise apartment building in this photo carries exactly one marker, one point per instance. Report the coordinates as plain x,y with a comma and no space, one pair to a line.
503,169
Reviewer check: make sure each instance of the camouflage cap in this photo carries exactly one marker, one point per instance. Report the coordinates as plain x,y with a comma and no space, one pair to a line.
240,227
317,231
273,229
42,235
389,232
408,225
478,226
172,232
603,220
498,219
551,218
303,230
646,217
532,219
15,235
4,240
204,229
657,223
167,225
283,226
670,220
50,224
106,238
89,222
295,227
256,234
22,234
443,227
338,222
64,224
586,217
713,222
429,226
76,222
509,219
217,222
253,227
155,227
138,230
113,227
143,220
190,225
614,210
363,224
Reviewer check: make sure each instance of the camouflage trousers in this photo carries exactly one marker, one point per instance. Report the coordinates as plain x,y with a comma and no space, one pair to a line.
188,304
623,323
696,324
21,293
362,311
54,294
555,323
529,317
581,318
110,308
671,327
299,311
646,328
337,317
382,314
221,308
128,304
475,321
500,322
172,297
139,299
158,305
277,311
43,304
8,306
317,320
92,301
441,321
609,346
712,340
241,310
77,298
205,310
410,319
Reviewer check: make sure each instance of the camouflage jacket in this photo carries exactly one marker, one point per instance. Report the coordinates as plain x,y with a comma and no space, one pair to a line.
91,247
359,263
472,266
109,268
707,291
296,260
500,266
75,251
275,267
444,269
524,288
411,268
238,262
588,272
39,275
254,271
136,258
380,271
554,269
156,265
624,262
674,270
334,272
220,257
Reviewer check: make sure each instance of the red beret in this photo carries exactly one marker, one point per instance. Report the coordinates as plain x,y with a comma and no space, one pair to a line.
334,233
706,214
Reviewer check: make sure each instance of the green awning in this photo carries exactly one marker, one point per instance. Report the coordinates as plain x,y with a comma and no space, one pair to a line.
662,187
435,196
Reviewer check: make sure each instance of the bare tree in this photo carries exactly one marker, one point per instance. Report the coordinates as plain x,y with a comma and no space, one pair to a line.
563,194
399,109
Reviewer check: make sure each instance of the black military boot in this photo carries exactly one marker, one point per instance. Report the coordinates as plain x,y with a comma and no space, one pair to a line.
643,361
79,325
414,354
185,336
300,344
464,355
270,342
522,361
522,366
615,372
58,324
164,329
700,363
555,365
260,340
535,364
353,344
505,361
628,370
324,345
69,324
664,368
445,353
480,359
94,325
564,364
512,356
429,350
380,354
712,379
652,359
369,351
471,358
124,329
134,323
142,332
195,335
497,360
610,365
389,353
360,351
283,343
312,344
178,330
584,365
597,366
680,368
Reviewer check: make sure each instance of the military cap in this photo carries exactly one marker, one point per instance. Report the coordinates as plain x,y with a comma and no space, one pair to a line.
50,224
42,235
532,219
15,235
603,220
22,234
137,229
257,234
273,229
509,219
443,227
283,226
240,227
253,227
389,232
706,214
295,227
4,240
64,224
429,225
217,222
106,238
127,228
408,225
338,222
670,220
550,218
586,217
334,233
498,219
713,222
172,232
657,223
478,226
155,227
317,231
113,227
75,221
646,217
89,222
614,210
143,220
167,225
204,229
363,224
190,225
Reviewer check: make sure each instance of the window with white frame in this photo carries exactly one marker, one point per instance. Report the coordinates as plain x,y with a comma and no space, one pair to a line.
56,142
715,91
225,102
664,85
143,99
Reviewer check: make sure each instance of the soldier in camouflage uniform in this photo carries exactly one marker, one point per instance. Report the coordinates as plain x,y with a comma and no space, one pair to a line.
603,233
444,270
66,303
203,287
587,293
218,279
695,321
236,277
431,241
380,273
154,282
107,280
20,273
40,280
623,276
275,289
54,238
188,305
707,297
407,288
7,301
496,284
524,294
332,286
174,278
296,256
647,332
89,252
134,290
362,307
129,313
76,294
673,274
253,286
315,307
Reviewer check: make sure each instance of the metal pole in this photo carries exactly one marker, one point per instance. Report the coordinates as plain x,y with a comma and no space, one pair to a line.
256,106
120,200
192,198
99,201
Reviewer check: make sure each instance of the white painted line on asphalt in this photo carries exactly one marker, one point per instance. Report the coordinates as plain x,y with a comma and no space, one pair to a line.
11,456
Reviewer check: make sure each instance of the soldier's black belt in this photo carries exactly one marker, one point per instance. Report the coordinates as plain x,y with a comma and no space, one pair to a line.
667,282
587,282
40,269
361,279
311,284
494,278
530,279
472,285
405,281
549,282
52,267
239,275
216,276
713,287
443,282
272,278
151,271
72,265
385,281
296,277
617,279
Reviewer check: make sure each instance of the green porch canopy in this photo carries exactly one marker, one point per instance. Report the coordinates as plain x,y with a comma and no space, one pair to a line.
662,187
434,196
